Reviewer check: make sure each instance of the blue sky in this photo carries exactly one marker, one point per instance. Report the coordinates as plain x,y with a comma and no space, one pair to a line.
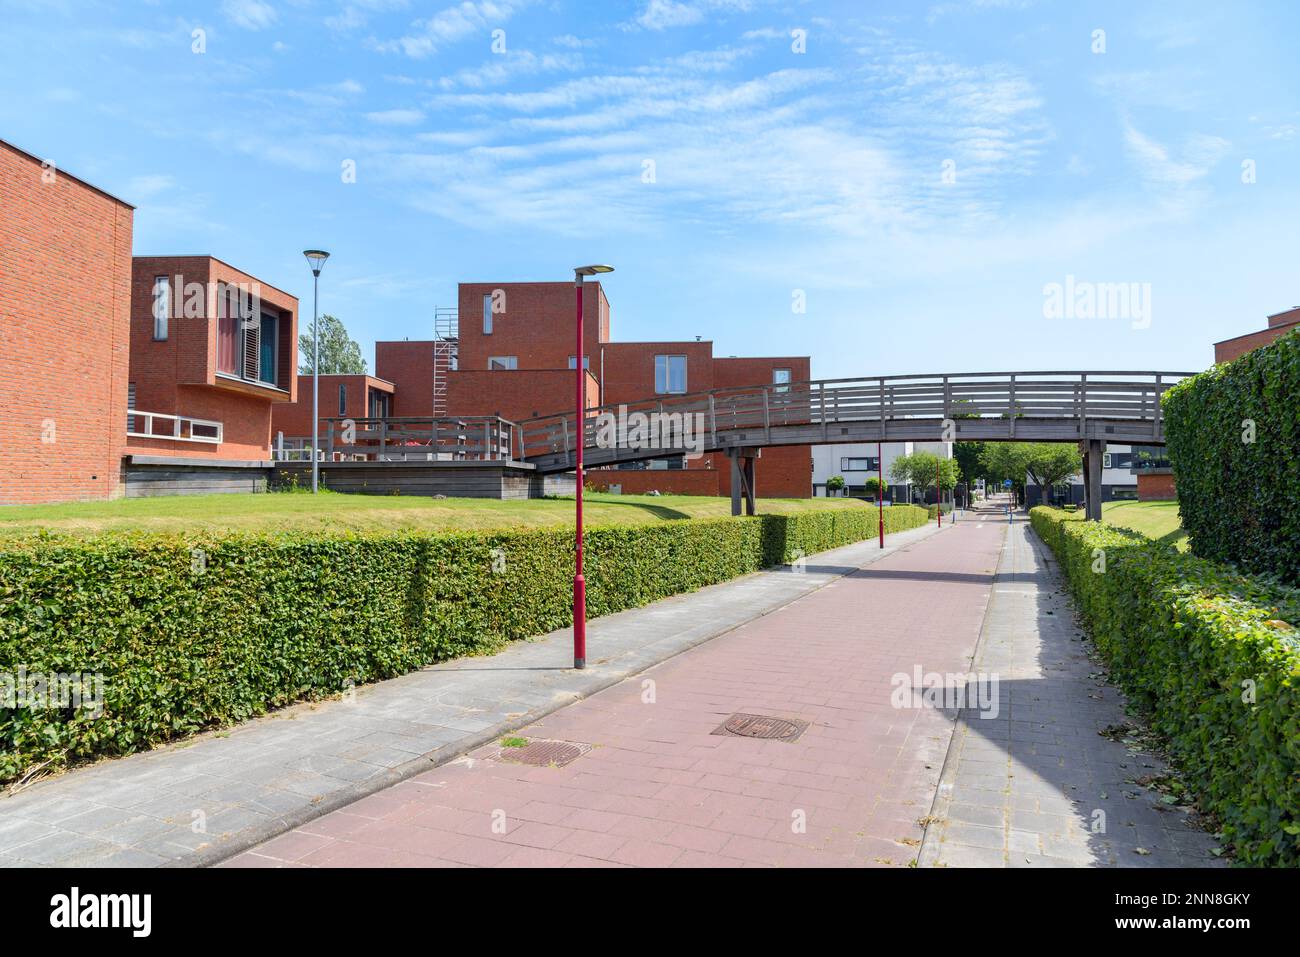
917,173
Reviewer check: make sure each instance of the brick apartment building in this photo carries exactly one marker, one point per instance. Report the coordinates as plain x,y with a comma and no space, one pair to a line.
65,296
97,379
1279,324
512,354
209,344
341,396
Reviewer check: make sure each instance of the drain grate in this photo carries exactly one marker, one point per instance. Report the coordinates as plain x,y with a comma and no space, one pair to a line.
763,726
544,754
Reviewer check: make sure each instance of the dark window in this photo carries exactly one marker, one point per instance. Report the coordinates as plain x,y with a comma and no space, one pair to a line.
869,464
162,307
343,399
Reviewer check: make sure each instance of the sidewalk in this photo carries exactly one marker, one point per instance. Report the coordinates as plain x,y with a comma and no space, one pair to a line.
1038,785
200,801
648,779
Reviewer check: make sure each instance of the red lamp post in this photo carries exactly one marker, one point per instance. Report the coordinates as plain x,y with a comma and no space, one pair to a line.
938,492
580,407
880,492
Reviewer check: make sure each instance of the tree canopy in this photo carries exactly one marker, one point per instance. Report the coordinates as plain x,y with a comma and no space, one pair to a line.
1046,463
920,468
339,353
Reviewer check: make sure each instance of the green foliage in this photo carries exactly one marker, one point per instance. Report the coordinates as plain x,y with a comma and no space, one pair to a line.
1213,657
339,353
834,483
1234,442
920,468
193,633
1046,463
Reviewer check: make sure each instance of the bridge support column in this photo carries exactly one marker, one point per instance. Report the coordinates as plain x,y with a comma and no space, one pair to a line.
742,479
1092,478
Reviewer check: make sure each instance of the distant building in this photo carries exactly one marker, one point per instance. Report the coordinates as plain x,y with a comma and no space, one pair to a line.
508,350
1279,324
857,463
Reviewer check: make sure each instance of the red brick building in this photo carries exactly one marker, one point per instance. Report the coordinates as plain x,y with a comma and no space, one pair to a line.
341,396
213,349
65,295
513,355
109,363
1279,324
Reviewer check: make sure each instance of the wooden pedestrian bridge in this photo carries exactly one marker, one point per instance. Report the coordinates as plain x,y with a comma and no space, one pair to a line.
1089,408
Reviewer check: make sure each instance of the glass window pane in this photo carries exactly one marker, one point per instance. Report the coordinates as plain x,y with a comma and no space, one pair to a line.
487,315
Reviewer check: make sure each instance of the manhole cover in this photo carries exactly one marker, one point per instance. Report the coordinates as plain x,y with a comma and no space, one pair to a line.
763,726
545,754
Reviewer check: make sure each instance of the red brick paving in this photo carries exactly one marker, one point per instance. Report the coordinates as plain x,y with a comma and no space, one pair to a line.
659,789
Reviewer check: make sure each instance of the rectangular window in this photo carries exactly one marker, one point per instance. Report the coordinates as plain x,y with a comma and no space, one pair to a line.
487,315
227,334
503,362
162,307
269,348
869,464
343,398
781,377
670,374
573,362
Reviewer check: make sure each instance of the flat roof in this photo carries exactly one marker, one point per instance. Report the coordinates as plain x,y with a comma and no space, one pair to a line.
1247,335
215,259
62,172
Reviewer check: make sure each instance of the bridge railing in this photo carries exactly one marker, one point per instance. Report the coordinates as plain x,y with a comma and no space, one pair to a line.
1075,396
485,438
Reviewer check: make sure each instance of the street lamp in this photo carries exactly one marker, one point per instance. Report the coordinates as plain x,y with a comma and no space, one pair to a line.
580,404
316,259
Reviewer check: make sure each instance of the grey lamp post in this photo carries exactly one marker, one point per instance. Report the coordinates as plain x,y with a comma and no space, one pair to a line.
316,257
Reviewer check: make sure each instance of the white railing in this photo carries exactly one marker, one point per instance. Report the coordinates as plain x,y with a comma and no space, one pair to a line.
176,428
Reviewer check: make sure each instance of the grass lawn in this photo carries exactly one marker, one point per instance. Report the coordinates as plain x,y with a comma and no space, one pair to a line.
333,511
1158,520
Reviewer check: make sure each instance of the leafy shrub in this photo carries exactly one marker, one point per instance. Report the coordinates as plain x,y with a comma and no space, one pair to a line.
1213,657
932,510
1234,442
193,633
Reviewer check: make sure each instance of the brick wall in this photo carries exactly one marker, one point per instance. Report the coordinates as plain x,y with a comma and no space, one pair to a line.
1231,349
515,395
294,418
537,325
1156,486
781,471
65,270
409,367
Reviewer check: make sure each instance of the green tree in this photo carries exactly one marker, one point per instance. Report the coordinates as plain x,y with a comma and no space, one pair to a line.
1045,463
921,468
339,353
834,484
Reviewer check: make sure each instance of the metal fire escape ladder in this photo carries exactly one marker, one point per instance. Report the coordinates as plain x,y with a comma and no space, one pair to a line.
446,342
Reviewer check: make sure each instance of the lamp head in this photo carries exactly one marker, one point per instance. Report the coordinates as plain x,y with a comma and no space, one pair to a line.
316,258
591,270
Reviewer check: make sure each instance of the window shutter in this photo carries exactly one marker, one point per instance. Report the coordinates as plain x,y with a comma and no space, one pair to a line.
252,332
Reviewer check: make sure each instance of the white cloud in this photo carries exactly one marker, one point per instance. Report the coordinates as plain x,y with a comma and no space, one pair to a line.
665,14
454,23
1161,169
396,117
249,14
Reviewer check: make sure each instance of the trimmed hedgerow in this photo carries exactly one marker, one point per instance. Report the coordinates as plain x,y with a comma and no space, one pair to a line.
192,633
1213,657
1234,443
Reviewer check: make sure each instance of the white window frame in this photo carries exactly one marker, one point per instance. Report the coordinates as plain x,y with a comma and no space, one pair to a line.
508,363
487,315
573,363
665,361
162,307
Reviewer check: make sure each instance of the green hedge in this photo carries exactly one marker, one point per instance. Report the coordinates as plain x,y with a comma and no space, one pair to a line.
188,639
1181,635
1240,500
